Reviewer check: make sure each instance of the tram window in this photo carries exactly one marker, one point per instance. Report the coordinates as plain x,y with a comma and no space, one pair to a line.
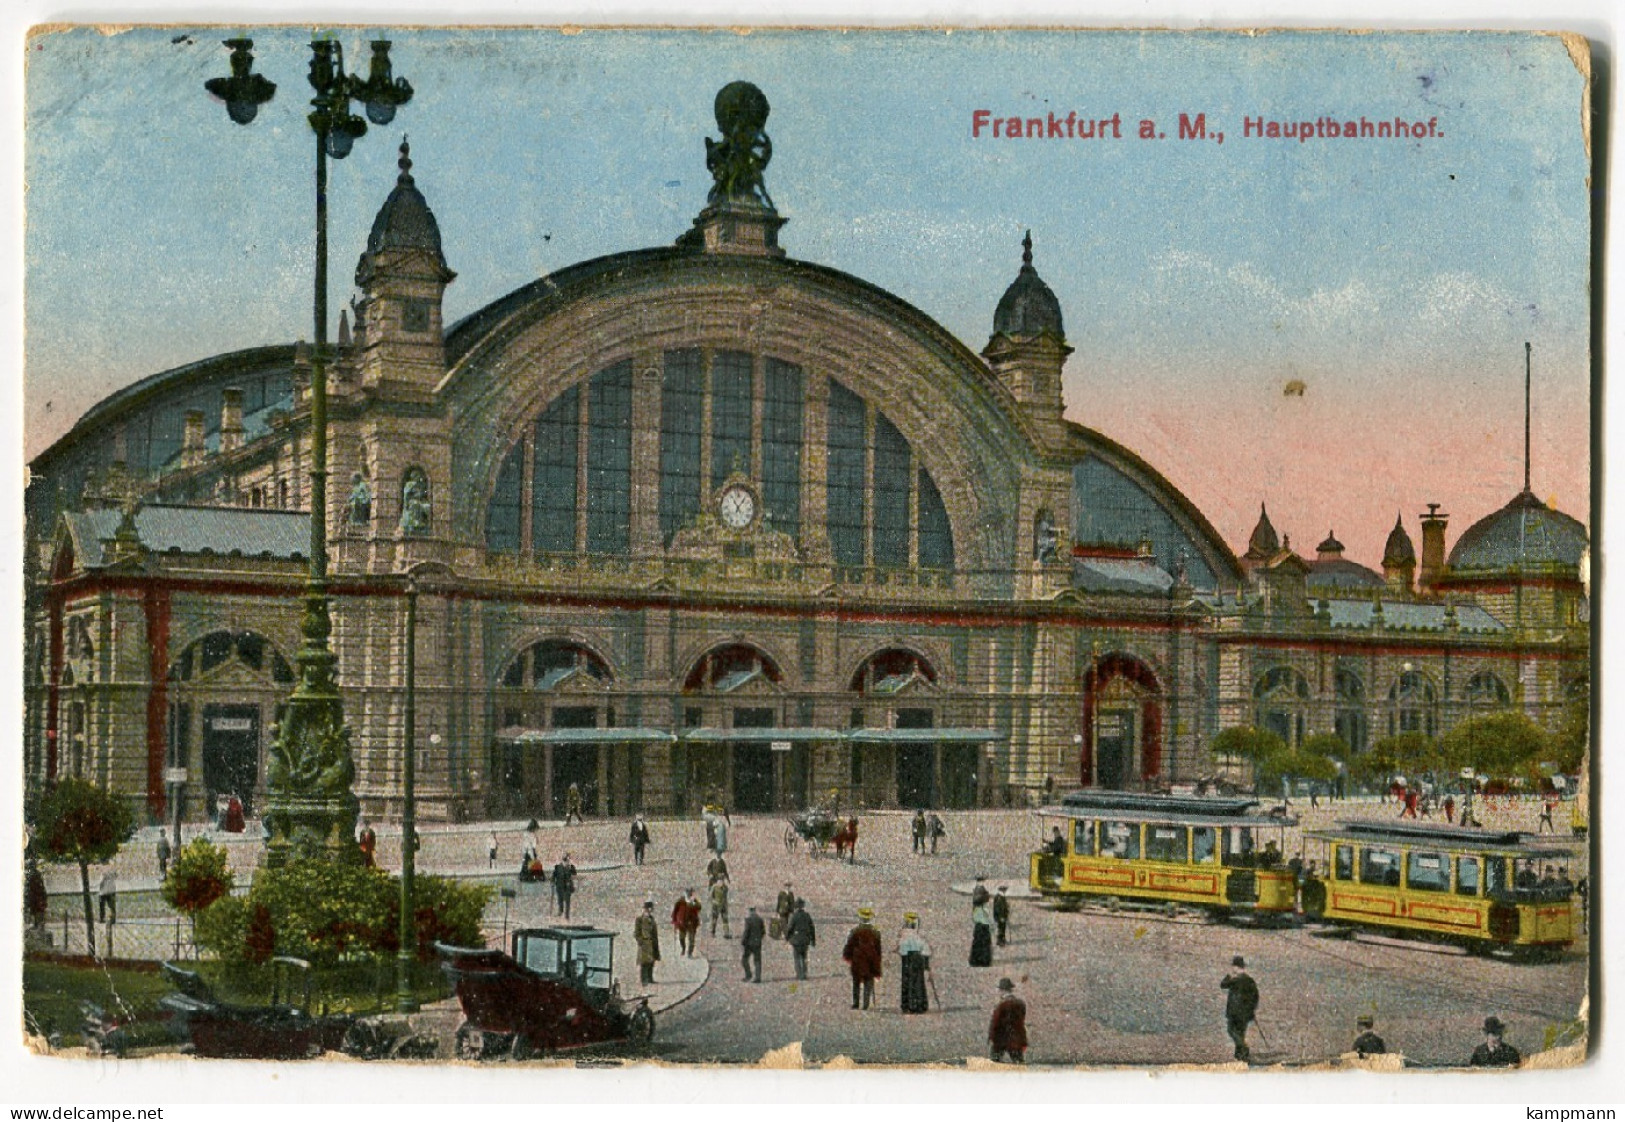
1120,840
1238,846
1083,839
1166,843
1379,866
1203,845
1343,862
1427,872
1466,876
1495,874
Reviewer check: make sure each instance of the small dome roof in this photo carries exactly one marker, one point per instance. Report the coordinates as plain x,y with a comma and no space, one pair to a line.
1341,573
1399,550
1524,532
404,222
1028,307
1330,545
1264,542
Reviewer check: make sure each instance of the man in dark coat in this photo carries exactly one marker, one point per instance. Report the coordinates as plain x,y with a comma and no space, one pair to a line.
1494,1052
1240,1005
1368,1043
564,885
863,956
163,856
750,943
919,830
639,837
1001,913
782,908
1007,1031
647,934
800,934
936,829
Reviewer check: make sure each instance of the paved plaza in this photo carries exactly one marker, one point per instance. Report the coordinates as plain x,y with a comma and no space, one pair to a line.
1126,988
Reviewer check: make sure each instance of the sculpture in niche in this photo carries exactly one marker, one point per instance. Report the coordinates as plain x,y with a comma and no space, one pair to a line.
360,504
415,509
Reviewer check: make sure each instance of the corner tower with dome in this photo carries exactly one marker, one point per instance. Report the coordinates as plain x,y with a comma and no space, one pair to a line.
706,522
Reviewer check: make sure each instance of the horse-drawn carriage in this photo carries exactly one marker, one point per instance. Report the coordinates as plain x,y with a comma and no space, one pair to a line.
554,992
820,829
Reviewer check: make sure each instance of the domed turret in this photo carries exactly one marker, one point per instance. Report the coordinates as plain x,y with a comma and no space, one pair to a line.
1526,533
1264,542
1331,572
403,223
1399,559
1330,549
1028,308
1028,347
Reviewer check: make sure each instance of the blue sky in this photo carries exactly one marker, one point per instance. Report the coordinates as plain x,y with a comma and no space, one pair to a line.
1397,280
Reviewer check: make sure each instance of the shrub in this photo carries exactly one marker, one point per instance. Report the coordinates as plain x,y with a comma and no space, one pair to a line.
199,877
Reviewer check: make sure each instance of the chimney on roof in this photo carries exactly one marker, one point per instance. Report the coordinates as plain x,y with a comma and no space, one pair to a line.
192,439
1433,524
231,420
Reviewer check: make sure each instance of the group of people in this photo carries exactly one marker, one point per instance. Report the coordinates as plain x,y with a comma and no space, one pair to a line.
927,828
1241,1012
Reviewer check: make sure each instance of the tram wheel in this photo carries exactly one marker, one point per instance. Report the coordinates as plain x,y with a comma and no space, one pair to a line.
1171,909
1112,903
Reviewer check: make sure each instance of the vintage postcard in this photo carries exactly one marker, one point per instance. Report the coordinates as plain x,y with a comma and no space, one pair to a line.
809,547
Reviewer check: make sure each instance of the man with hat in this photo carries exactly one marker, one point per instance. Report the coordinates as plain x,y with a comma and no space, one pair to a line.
1007,1031
862,954
647,934
1240,1005
785,904
1368,1043
1001,912
1494,1052
639,837
800,934
750,942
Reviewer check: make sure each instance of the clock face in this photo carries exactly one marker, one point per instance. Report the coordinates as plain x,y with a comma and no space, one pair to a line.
738,508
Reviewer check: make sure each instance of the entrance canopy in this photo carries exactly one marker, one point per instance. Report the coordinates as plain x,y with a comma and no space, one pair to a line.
586,736
925,736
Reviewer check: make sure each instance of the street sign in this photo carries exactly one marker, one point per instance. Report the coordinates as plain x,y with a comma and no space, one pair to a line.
779,745
175,776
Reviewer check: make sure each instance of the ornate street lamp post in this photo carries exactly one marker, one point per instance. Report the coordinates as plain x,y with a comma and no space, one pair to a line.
310,808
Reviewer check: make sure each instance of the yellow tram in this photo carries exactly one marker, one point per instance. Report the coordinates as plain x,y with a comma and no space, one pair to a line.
1206,852
1486,889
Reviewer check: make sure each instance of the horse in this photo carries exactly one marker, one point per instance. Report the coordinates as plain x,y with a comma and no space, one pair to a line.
846,841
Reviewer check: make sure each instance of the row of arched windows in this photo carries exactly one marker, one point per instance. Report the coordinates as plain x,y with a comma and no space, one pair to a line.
566,486
1281,698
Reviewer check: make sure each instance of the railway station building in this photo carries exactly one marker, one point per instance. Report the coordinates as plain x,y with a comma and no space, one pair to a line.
707,521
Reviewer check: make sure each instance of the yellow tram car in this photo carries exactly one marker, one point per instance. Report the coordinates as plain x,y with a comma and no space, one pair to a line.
1205,852
1485,889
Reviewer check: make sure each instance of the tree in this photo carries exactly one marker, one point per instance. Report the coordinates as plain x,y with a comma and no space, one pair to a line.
1328,744
1500,744
1259,747
1411,753
199,876
79,823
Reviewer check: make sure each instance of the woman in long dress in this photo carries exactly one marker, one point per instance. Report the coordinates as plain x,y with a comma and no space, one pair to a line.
981,941
916,954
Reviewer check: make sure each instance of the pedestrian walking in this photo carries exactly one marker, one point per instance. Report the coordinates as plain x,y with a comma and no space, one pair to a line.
1007,1030
1001,913
937,829
981,938
37,899
163,853
782,908
647,934
919,830
1368,1043
750,944
1495,1051
916,954
639,837
719,835
572,805
719,908
107,896
1544,826
491,849
1240,1005
1450,809
368,841
564,884
685,916
862,955
800,934
533,840
716,870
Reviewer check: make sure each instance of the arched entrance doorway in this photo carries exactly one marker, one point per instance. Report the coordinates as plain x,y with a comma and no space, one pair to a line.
733,718
226,692
1122,724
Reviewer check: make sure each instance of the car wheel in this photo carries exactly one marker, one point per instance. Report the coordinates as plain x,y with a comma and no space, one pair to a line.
641,1028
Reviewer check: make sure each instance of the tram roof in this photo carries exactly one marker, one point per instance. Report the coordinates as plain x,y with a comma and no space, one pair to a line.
1160,804
1175,810
1450,837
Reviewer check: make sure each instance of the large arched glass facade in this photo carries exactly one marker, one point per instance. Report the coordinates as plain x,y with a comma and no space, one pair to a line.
567,485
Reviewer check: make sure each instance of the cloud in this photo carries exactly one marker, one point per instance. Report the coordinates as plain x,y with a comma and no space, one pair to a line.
1324,308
